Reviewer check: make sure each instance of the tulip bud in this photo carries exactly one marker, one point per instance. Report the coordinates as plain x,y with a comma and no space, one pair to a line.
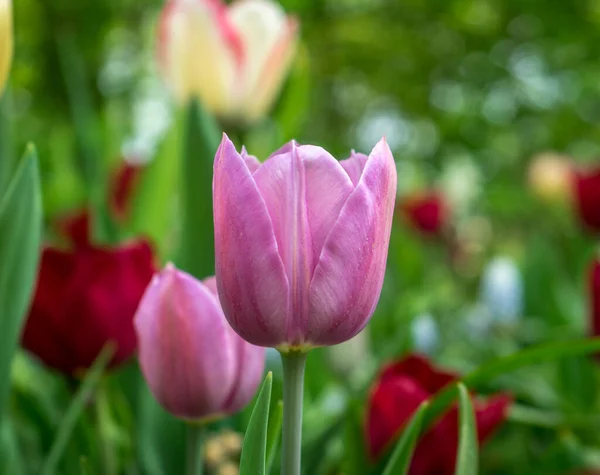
233,58
301,243
586,195
550,176
196,366
6,40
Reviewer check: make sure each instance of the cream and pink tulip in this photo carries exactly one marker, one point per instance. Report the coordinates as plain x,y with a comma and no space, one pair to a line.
233,58
301,242
196,366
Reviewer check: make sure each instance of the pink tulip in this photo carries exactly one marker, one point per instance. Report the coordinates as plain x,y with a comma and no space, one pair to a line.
196,366
234,58
301,242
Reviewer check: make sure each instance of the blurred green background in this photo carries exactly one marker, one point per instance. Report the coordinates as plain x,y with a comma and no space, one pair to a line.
465,91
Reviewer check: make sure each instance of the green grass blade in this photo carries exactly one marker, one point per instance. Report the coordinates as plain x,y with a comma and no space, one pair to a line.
399,462
274,434
467,457
20,234
74,411
254,450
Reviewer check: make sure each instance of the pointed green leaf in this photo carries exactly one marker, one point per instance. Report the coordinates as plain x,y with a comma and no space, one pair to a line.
254,450
399,462
20,234
467,458
6,156
77,406
197,244
274,433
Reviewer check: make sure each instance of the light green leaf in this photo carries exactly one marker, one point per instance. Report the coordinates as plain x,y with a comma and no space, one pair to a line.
254,450
20,234
467,458
399,462
78,404
274,433
197,244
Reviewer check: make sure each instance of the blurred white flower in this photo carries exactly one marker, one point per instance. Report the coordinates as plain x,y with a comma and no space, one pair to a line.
501,290
425,334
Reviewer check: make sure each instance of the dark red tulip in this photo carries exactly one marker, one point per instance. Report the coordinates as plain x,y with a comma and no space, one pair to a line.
400,389
594,289
427,212
123,185
586,184
86,296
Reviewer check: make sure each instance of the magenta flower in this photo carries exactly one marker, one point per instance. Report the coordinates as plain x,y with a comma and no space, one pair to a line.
196,366
301,242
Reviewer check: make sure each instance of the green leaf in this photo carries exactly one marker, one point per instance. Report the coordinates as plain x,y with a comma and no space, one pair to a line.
6,156
197,244
274,433
530,356
20,234
161,437
78,404
355,459
399,462
254,450
153,202
467,458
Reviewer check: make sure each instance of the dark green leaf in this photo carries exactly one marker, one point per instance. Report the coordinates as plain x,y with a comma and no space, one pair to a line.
355,459
467,458
197,244
254,450
20,233
399,462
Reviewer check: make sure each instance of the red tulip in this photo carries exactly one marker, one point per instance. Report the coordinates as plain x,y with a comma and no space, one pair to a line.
86,296
426,212
400,389
586,184
594,288
123,184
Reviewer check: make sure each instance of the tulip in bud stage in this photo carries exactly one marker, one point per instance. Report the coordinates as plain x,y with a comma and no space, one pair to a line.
586,195
234,58
427,212
301,242
6,40
196,366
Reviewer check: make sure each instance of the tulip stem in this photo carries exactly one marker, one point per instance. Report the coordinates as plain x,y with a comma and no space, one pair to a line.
294,364
195,437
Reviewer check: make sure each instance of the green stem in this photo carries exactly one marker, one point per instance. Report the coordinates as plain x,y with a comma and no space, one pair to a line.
294,364
195,437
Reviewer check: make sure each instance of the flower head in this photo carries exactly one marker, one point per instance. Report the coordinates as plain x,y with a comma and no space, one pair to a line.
399,390
195,364
301,242
234,58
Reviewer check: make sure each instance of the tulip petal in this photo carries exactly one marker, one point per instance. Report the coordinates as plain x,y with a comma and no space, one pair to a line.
268,37
251,161
304,190
181,370
250,365
253,286
347,281
354,166
6,41
198,53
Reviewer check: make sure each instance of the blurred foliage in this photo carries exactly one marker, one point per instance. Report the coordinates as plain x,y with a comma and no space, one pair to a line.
466,91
